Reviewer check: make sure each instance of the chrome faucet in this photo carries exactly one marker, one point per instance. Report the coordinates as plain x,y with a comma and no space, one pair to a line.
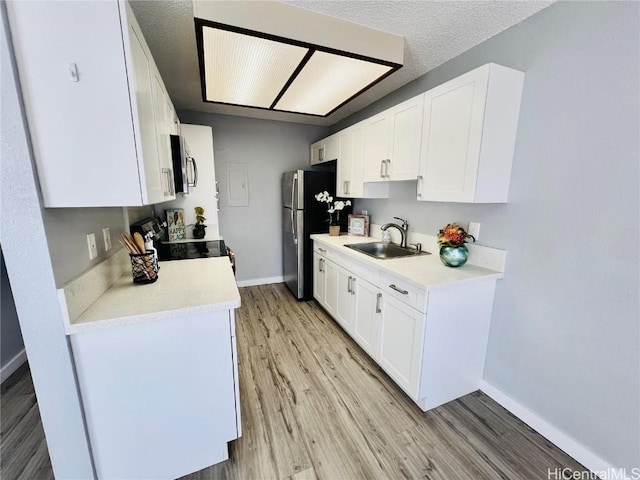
402,229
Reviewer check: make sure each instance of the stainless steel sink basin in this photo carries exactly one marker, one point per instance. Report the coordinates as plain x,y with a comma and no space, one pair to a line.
384,251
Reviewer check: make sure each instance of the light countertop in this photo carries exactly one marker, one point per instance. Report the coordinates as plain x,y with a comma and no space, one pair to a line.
424,271
183,288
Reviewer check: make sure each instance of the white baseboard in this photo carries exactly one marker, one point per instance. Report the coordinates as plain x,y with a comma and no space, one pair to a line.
259,281
12,365
564,442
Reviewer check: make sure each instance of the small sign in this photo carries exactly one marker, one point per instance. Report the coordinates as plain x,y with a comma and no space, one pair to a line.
175,224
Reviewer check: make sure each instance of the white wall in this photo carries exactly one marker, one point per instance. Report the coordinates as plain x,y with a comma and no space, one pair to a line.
565,329
32,280
269,148
11,343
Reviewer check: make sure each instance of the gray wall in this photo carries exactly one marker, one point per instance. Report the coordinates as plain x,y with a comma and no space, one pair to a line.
565,332
269,148
67,230
10,337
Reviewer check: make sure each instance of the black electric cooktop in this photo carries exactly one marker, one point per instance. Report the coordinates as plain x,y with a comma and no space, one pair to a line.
191,249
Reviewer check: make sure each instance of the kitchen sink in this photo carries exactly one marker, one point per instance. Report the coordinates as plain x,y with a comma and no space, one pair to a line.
384,251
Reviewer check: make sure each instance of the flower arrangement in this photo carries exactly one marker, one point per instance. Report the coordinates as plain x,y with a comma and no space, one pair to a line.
336,207
452,235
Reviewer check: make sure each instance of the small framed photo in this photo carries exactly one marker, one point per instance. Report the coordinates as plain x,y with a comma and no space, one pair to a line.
175,224
358,225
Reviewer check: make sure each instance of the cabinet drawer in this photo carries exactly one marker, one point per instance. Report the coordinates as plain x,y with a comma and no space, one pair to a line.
370,274
403,291
326,252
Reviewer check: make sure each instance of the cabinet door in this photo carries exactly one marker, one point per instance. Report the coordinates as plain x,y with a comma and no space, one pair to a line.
405,145
401,341
355,187
145,85
451,138
367,313
318,279
163,127
330,272
81,131
316,153
345,161
331,148
376,152
345,306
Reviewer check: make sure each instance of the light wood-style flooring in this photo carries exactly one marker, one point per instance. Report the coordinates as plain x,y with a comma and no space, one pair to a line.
314,406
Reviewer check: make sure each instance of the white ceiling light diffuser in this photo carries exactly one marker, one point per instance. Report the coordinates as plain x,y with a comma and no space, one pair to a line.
327,81
258,69
245,70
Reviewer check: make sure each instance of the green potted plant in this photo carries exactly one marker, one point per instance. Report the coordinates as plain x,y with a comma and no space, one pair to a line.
199,227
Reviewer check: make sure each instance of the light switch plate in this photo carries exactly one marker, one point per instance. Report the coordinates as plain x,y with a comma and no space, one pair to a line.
93,248
106,234
474,230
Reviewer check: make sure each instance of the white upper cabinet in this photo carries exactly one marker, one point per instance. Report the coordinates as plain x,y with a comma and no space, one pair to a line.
350,169
96,105
468,136
324,150
392,142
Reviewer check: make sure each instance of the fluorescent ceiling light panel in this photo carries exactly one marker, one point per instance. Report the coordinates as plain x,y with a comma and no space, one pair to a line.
327,81
246,70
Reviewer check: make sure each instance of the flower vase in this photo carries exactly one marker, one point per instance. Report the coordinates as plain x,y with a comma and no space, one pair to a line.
199,231
334,230
454,256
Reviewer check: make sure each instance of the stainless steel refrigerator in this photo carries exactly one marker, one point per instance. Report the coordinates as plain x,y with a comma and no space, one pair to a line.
303,215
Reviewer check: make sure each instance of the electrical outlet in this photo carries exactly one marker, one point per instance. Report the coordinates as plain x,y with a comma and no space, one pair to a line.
106,234
93,248
474,230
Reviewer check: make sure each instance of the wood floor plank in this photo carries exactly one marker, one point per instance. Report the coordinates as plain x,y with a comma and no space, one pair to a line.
316,407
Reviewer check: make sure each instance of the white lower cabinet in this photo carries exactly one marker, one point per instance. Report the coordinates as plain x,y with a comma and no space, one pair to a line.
401,340
345,306
325,283
367,302
432,343
180,416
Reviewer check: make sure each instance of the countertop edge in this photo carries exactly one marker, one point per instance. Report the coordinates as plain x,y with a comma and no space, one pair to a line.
82,327
490,275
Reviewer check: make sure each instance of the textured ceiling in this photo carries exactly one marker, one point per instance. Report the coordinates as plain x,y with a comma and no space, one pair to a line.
434,31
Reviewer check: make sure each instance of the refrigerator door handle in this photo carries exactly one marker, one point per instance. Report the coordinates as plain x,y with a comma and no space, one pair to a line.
293,192
293,228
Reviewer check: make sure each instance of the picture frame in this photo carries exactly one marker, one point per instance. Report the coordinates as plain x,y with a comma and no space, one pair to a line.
358,225
175,224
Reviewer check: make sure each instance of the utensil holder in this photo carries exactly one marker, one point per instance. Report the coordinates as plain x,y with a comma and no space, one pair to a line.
144,267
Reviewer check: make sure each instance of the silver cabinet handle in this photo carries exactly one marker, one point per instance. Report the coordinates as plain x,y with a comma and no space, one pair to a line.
420,178
321,155
348,187
344,187
378,297
393,287
320,265
322,250
349,284
353,285
194,183
386,170
382,168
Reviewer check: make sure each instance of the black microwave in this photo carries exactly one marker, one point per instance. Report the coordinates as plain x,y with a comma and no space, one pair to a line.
185,168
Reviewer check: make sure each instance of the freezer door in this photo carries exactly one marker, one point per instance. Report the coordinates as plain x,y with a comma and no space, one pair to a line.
293,190
292,251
